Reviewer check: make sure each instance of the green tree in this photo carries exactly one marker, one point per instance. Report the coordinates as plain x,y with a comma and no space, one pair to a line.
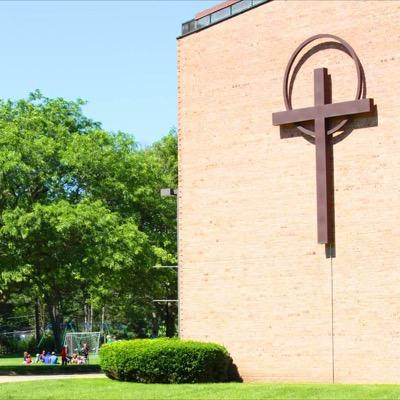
128,180
61,249
81,214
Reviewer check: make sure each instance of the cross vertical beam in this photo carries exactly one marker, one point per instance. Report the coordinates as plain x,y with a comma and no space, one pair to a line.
322,95
320,113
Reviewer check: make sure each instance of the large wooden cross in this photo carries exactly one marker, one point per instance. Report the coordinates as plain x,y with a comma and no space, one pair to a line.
323,110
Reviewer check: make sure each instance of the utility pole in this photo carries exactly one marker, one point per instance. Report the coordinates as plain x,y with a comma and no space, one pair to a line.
102,323
91,318
86,317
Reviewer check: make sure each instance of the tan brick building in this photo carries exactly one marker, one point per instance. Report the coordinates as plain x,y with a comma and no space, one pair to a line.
252,275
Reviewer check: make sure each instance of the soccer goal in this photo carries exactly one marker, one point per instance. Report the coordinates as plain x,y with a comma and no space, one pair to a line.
76,340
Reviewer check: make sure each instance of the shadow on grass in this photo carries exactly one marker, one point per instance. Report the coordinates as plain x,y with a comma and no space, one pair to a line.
48,369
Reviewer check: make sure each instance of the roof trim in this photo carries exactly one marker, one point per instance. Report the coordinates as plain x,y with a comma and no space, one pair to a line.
218,7
197,29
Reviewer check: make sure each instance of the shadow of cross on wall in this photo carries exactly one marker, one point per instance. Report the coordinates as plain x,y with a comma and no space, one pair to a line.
320,114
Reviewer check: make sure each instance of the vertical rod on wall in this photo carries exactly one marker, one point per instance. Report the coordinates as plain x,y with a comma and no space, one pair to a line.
332,320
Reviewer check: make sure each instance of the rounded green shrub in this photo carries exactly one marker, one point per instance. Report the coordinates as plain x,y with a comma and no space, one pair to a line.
165,361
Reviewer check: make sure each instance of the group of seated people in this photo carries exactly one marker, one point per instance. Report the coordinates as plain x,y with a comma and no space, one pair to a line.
77,359
51,358
43,357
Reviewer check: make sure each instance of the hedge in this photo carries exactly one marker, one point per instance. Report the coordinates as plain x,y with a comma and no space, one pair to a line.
165,361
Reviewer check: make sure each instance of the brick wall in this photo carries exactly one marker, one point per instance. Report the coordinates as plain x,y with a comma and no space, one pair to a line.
252,275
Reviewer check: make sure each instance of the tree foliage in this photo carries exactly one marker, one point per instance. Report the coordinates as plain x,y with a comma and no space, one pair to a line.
81,215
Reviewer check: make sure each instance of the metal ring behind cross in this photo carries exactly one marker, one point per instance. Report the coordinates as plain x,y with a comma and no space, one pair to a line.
287,95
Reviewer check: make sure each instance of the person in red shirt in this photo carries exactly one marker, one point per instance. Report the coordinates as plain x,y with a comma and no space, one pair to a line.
64,355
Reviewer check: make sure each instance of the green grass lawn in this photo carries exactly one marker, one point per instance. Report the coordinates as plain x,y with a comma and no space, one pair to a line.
106,389
15,365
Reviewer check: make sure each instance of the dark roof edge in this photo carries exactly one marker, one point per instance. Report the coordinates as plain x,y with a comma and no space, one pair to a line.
215,8
223,20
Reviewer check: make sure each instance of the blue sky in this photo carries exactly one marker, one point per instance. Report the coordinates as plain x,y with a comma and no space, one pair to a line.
120,56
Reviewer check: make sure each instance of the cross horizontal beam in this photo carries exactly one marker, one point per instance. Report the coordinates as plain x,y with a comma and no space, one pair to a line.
322,111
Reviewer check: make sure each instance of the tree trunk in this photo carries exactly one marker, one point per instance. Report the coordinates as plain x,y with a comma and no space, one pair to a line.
154,325
169,320
55,324
37,321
